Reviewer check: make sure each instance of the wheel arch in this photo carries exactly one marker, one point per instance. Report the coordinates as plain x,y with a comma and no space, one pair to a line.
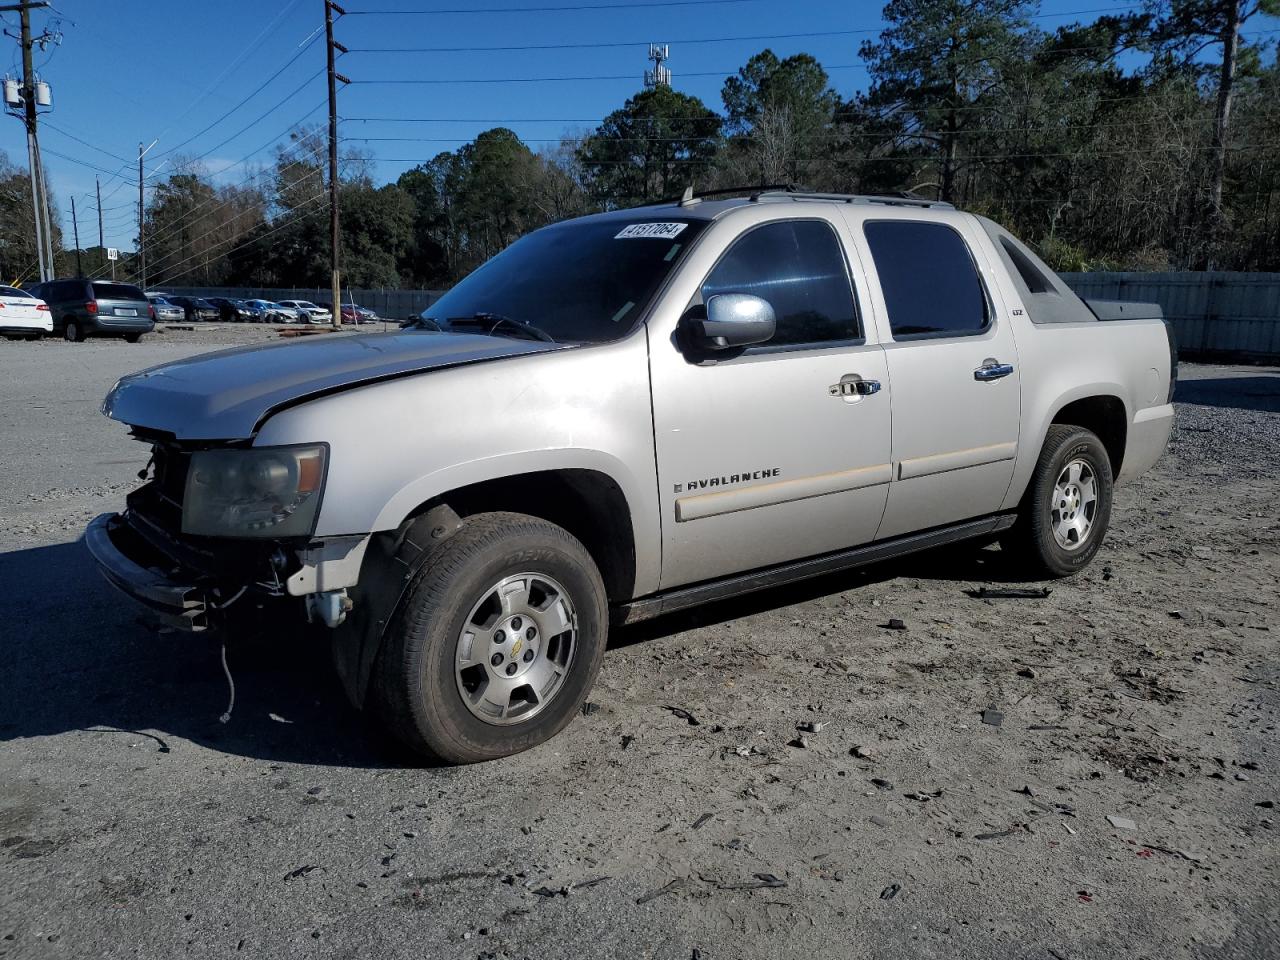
588,503
1104,415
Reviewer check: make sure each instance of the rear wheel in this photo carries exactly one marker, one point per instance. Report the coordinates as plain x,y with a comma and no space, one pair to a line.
496,644
1067,507
73,331
132,337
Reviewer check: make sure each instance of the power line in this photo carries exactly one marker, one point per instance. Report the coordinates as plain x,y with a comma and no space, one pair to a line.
610,43
620,76
806,138
581,7
253,93
175,226
289,218
92,146
244,55
1086,155
253,123
82,163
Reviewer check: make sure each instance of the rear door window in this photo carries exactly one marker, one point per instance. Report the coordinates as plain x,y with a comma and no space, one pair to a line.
117,291
65,290
930,284
797,266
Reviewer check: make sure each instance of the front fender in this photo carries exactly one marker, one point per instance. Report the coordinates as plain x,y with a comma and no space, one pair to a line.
399,444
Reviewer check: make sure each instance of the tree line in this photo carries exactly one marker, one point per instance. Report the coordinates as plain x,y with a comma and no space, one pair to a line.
1140,141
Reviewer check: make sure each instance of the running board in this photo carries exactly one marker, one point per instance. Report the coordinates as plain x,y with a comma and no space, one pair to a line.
738,584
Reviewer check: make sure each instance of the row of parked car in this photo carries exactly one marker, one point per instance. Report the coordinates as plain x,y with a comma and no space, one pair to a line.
80,308
75,309
229,310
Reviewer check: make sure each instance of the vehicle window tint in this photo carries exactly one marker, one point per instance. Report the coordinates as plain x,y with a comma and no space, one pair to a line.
67,290
15,292
117,291
929,281
799,268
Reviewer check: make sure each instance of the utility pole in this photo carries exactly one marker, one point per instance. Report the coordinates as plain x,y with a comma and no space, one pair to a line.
75,226
44,204
43,242
334,236
142,250
97,184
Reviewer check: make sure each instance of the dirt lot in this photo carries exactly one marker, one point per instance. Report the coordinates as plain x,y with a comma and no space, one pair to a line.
133,824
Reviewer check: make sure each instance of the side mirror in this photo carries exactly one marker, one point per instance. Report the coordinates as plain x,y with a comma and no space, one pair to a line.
734,320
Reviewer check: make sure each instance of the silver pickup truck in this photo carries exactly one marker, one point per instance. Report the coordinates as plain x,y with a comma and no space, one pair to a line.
624,415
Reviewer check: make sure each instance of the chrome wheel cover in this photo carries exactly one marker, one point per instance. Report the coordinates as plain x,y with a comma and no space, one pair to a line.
516,648
1074,505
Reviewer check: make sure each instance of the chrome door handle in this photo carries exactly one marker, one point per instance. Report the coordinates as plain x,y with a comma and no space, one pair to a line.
992,370
854,388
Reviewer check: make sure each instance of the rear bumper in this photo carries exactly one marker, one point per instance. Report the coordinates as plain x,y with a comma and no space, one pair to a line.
121,325
121,559
27,326
1148,437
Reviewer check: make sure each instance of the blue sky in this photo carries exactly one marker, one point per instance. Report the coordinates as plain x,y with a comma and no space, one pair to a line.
143,70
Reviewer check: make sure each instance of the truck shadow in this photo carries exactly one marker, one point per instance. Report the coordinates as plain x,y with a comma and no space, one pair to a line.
1260,393
78,657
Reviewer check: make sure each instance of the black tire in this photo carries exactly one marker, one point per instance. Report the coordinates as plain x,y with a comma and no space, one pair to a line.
1031,541
414,690
73,331
132,337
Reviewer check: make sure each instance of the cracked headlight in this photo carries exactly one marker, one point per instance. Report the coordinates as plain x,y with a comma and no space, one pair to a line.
262,492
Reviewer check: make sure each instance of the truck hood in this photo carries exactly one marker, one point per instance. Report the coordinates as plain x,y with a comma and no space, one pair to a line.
226,395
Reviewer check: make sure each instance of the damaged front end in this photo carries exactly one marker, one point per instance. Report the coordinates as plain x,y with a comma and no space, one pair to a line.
217,527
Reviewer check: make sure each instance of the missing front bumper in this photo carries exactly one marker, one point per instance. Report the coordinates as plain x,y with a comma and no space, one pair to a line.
125,562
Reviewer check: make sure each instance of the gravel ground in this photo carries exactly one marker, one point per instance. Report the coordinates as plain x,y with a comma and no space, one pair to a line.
901,825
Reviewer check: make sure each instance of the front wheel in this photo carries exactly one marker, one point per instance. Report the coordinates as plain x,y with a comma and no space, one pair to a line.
1065,512
496,644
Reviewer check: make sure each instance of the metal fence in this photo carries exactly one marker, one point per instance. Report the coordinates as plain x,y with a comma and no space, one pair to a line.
1215,314
392,304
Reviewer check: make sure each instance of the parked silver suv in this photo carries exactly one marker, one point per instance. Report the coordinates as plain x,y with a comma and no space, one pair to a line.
628,414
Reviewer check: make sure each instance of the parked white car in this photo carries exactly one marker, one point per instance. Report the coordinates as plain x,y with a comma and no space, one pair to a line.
23,316
308,312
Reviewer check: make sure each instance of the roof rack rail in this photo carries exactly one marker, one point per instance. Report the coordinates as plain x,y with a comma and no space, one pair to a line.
689,197
793,192
892,200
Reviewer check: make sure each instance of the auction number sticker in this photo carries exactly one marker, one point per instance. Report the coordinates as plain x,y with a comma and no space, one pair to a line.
656,231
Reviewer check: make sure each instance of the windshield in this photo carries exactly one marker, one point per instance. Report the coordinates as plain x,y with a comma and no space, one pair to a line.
580,281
